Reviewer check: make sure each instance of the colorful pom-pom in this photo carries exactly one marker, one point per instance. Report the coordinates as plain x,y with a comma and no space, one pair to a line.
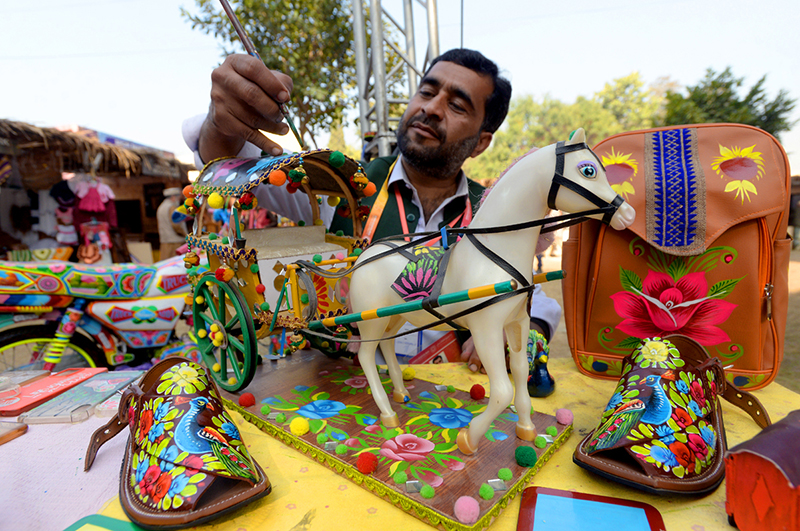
525,456
299,426
277,178
254,268
247,201
370,189
427,492
223,274
304,298
367,463
215,200
333,200
317,258
265,409
280,418
400,478
477,392
341,449
297,174
505,474
408,374
467,509
486,491
451,389
260,289
322,438
552,431
264,306
540,442
216,367
336,159
564,416
232,380
247,400
187,191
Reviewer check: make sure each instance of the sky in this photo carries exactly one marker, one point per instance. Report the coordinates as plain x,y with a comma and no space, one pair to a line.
136,69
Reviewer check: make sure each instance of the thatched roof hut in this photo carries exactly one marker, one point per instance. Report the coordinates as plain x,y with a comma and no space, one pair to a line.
41,154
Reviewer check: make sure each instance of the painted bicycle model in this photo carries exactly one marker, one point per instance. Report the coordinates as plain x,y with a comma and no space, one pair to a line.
56,314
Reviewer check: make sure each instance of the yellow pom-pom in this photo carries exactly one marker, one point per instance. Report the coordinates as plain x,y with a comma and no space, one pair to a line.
216,201
201,334
188,299
299,426
217,343
232,380
215,327
408,373
199,299
216,367
318,222
333,200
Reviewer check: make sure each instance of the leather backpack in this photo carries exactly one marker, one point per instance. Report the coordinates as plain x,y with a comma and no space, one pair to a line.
707,256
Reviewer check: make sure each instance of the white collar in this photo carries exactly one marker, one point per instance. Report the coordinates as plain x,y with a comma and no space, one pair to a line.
399,174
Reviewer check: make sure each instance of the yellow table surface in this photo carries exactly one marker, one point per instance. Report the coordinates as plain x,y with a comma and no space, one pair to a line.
308,496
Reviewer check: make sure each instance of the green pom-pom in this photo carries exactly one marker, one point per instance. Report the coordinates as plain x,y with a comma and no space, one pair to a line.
281,418
486,492
357,252
265,409
224,240
322,438
400,478
254,268
212,236
525,456
341,449
427,492
336,159
301,223
317,258
304,298
451,389
540,442
296,176
505,474
264,306
552,431
340,233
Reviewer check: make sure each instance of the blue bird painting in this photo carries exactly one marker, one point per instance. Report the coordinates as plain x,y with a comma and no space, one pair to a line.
197,434
654,409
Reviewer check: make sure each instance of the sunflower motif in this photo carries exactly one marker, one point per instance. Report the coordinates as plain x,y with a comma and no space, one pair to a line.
657,352
186,378
742,166
620,170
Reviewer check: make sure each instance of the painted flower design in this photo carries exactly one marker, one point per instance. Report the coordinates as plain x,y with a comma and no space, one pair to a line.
697,445
683,455
417,279
356,382
145,425
681,417
321,409
450,418
697,393
620,170
185,378
407,447
664,306
742,166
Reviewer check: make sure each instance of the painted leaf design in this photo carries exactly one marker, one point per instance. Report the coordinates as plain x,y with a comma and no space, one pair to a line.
630,281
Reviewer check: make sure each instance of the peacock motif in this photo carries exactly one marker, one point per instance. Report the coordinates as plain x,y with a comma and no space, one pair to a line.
654,409
197,433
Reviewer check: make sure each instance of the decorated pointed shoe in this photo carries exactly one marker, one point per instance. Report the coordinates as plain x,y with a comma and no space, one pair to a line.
662,431
185,462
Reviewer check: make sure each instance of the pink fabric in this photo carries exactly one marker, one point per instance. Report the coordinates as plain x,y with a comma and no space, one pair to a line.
91,201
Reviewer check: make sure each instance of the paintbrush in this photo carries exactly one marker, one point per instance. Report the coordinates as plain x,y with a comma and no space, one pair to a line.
250,49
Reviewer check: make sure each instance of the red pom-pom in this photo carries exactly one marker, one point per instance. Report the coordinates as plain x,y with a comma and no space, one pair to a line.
188,191
220,273
477,392
247,400
260,289
367,463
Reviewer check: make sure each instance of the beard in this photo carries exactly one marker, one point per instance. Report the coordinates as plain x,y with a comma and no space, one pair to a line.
438,162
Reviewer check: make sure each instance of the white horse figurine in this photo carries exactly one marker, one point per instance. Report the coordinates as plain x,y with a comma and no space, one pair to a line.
520,196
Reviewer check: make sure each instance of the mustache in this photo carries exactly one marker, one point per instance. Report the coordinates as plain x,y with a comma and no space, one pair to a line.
425,120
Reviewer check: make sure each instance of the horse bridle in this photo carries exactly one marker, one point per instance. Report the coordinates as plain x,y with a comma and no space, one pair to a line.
559,180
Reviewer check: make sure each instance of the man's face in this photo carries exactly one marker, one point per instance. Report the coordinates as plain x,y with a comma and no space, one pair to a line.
441,127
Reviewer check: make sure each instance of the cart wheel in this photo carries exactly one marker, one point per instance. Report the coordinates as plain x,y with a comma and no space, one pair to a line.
225,332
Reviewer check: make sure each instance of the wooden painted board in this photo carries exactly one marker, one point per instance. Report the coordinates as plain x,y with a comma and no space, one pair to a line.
332,396
40,391
22,377
11,430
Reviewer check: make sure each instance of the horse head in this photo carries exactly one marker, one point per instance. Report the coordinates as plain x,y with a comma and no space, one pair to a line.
579,183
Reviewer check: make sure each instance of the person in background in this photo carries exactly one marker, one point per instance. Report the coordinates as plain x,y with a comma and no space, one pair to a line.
170,235
461,101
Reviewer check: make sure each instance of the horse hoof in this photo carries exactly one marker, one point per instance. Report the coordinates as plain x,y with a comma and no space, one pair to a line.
463,442
526,434
390,421
401,398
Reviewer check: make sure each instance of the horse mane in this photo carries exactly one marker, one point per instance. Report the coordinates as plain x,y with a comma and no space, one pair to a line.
490,188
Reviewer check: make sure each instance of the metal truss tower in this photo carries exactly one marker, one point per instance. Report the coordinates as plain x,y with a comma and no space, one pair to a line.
372,77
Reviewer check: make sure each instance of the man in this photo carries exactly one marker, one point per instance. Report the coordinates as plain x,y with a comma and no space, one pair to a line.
460,103
170,235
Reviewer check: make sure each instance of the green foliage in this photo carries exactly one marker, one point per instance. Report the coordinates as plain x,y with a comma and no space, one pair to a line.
716,98
633,105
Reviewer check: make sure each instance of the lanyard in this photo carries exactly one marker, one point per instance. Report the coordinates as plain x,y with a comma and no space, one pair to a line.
380,204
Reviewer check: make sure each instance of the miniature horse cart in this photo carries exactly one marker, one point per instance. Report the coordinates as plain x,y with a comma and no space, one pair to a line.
256,287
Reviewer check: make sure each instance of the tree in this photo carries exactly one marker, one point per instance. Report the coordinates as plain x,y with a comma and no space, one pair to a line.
716,99
633,105
310,41
530,124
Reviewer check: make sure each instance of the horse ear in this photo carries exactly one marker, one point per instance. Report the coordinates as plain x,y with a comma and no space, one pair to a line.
578,136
